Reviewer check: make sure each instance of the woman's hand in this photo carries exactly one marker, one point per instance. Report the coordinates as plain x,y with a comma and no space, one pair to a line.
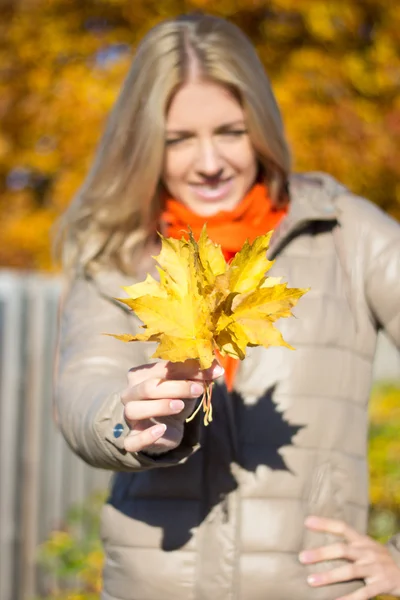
368,560
158,400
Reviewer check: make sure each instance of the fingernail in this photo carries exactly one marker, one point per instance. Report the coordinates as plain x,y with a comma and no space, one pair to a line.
158,430
304,557
312,579
176,405
196,389
218,371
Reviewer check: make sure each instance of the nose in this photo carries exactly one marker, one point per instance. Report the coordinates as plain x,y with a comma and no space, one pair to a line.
209,163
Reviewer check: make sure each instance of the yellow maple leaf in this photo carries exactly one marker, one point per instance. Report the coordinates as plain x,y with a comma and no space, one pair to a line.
211,256
202,304
174,311
248,269
249,322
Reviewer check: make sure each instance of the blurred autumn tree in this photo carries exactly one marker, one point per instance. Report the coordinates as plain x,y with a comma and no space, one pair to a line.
335,68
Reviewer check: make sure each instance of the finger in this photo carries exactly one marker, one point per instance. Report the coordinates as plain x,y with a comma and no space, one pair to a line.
344,573
331,552
149,409
365,593
190,370
334,526
168,370
152,389
138,441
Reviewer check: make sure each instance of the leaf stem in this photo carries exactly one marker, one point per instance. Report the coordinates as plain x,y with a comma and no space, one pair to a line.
205,403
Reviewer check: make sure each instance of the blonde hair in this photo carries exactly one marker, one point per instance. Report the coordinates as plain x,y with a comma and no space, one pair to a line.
115,214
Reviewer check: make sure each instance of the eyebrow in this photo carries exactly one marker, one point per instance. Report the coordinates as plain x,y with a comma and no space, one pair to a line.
222,126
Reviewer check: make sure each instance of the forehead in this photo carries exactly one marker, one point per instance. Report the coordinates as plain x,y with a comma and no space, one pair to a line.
203,104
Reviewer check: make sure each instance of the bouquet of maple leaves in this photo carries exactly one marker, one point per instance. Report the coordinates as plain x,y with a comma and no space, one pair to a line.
202,304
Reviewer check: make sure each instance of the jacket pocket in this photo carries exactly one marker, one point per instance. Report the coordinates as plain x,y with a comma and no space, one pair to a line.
325,499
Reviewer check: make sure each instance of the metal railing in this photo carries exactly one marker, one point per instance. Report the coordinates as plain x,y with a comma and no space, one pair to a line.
40,477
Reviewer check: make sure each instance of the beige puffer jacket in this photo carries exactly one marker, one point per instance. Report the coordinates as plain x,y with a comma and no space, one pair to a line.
221,518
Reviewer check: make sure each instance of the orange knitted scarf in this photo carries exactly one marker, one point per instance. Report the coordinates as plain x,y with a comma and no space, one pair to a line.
254,216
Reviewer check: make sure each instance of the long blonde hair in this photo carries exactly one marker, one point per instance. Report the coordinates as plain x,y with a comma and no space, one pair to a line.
115,213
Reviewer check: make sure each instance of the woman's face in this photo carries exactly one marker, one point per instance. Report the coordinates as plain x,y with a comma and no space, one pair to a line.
209,163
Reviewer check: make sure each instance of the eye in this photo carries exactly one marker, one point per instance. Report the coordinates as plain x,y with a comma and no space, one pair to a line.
173,142
234,132
177,139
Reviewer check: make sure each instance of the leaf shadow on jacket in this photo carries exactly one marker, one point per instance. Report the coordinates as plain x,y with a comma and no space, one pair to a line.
178,499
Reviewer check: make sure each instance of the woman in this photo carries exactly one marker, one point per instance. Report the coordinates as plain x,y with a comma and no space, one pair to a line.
269,501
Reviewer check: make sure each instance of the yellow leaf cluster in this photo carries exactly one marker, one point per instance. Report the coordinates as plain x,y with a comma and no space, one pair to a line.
201,304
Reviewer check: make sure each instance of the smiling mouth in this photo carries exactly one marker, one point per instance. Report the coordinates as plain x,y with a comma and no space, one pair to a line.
212,190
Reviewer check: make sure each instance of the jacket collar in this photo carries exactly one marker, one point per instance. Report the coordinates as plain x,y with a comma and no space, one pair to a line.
312,198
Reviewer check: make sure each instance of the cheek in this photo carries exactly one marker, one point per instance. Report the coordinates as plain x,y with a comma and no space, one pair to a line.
242,157
176,165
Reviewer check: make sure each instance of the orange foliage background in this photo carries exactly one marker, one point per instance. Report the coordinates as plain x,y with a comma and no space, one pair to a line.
335,67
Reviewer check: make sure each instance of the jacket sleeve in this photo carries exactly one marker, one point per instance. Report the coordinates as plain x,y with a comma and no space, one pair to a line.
91,372
382,281
383,295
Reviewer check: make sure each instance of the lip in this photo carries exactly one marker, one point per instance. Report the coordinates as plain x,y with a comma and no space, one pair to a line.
211,193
